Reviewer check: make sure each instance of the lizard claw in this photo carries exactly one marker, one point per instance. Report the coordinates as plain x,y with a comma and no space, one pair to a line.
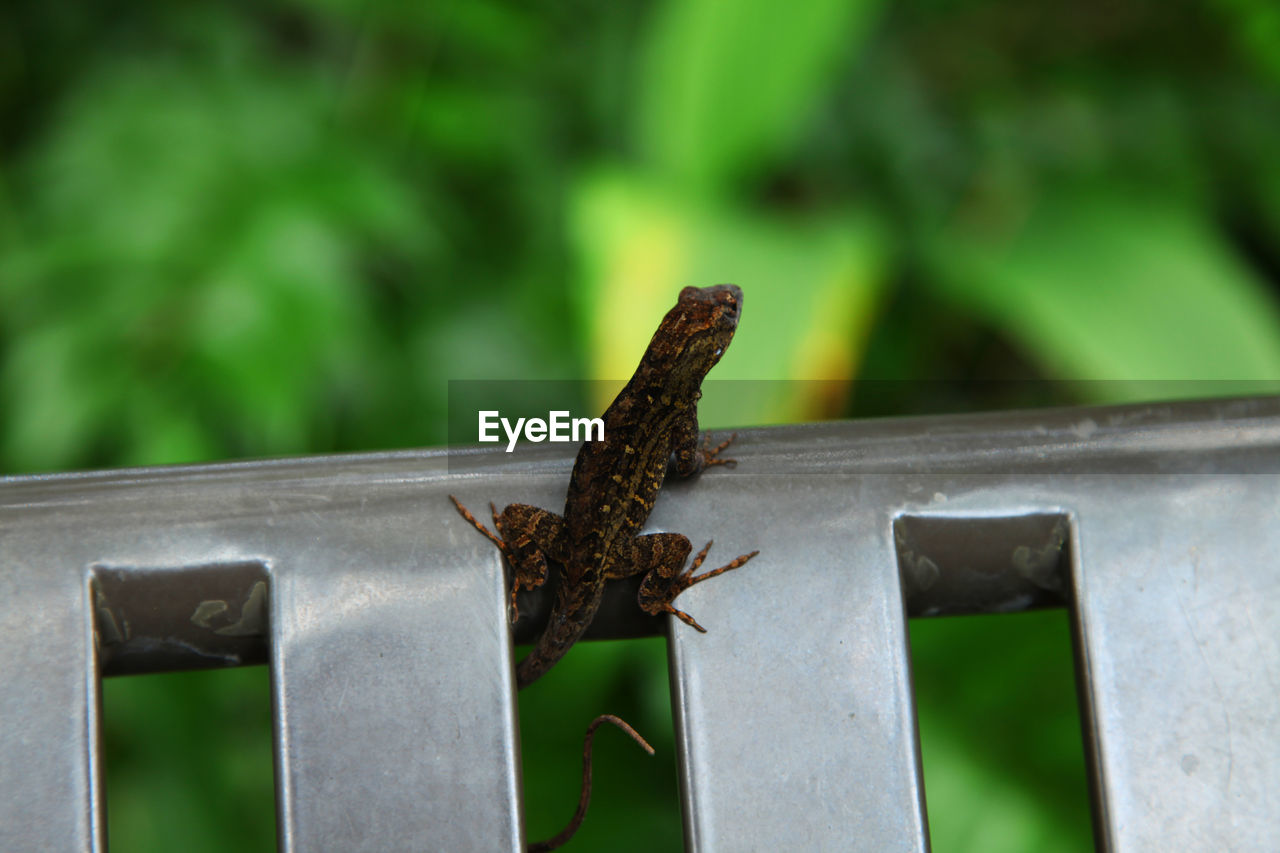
687,578
474,522
685,618
711,455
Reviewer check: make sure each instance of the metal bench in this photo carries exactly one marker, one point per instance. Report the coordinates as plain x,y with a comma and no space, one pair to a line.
1158,524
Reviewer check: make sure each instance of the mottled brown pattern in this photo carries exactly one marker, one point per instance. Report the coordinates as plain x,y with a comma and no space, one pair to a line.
652,424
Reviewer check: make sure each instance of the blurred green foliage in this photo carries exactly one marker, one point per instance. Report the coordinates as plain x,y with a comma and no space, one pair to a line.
244,229
189,761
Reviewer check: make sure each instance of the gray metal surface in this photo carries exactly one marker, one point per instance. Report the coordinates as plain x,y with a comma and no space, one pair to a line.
1159,521
794,713
391,661
381,613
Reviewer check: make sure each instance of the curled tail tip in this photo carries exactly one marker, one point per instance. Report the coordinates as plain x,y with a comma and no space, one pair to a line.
625,726
585,798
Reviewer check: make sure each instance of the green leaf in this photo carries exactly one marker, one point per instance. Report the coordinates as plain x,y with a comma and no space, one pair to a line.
810,286
1108,287
727,82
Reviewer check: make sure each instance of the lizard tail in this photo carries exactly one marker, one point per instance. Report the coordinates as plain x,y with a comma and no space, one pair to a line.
567,833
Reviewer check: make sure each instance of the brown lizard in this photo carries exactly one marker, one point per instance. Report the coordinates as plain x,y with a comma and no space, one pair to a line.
651,425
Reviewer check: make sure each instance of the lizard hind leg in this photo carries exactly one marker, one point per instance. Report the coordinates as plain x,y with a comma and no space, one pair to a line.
526,536
532,535
663,554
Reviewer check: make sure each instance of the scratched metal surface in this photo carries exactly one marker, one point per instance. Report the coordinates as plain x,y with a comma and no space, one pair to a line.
381,614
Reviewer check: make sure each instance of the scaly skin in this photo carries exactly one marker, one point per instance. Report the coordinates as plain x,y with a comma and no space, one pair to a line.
653,423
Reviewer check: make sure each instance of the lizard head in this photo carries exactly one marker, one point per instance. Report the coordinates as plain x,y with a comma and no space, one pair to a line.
696,332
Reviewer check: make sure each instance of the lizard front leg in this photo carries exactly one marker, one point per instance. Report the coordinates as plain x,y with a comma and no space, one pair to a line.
526,536
689,456
661,556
